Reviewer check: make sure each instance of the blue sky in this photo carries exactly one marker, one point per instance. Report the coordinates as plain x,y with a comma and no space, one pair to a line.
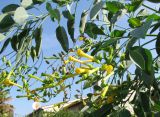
49,47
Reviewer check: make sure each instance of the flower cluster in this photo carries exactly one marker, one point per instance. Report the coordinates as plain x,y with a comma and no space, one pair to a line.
88,70
7,81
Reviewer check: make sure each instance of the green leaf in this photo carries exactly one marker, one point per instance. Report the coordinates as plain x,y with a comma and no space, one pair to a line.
157,106
157,44
4,45
117,33
83,21
9,8
87,84
131,42
114,17
145,102
60,2
121,113
62,38
141,31
155,27
54,13
134,22
135,4
95,10
2,37
68,15
104,45
142,58
93,30
155,17
6,22
148,59
33,53
154,1
114,6
38,1
70,27
38,40
16,39
137,58
14,43
48,6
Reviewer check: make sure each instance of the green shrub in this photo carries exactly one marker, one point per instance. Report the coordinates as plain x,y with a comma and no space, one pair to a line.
62,113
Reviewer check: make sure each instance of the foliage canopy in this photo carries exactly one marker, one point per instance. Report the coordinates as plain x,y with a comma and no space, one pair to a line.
116,52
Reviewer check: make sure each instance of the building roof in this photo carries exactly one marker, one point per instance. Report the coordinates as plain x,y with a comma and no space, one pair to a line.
60,106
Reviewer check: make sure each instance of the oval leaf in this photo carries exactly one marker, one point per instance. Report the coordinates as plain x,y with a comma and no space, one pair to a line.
10,7
141,31
38,40
6,22
137,58
83,22
5,45
95,10
157,44
70,26
62,38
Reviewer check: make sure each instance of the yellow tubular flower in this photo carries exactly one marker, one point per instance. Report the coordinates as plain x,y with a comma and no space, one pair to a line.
104,91
81,38
79,61
82,54
86,61
8,82
66,61
74,59
81,70
108,68
93,70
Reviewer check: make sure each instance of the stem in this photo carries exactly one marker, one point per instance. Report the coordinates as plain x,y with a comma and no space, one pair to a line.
152,35
150,8
35,77
16,85
148,42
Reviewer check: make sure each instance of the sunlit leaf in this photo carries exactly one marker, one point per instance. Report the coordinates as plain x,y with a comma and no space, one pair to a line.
83,22
20,15
135,4
26,3
2,37
114,6
134,22
117,33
